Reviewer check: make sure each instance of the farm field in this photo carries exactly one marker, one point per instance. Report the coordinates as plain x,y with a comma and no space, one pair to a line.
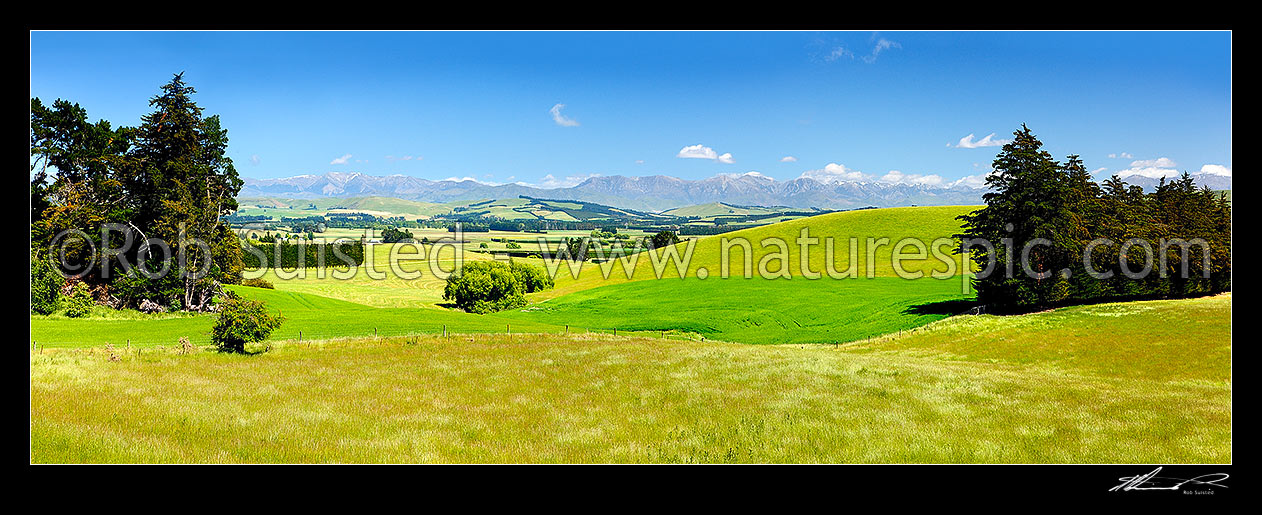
970,389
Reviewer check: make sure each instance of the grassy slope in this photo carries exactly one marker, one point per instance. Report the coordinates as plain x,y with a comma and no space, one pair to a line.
769,311
925,223
1187,339
1010,395
752,310
317,317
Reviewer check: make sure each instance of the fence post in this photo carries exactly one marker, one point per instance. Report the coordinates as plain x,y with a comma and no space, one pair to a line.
567,328
374,333
444,330
508,329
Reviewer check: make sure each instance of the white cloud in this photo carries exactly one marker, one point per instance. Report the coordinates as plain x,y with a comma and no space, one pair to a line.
1123,155
881,46
1216,170
838,53
341,160
833,172
1099,170
254,160
897,177
704,152
788,159
972,181
697,152
1151,168
639,161
561,119
1160,162
402,158
988,141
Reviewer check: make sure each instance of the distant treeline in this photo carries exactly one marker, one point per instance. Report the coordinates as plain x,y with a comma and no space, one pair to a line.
707,230
302,255
1089,242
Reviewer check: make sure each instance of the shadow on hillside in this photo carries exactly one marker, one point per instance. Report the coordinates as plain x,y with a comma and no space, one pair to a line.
946,307
971,307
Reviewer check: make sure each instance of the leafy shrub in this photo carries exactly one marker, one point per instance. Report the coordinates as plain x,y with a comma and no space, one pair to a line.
242,321
484,287
79,302
513,245
258,283
532,278
393,235
664,239
135,289
46,286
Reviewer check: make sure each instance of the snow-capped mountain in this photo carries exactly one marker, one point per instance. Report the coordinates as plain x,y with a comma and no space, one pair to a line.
1213,181
650,193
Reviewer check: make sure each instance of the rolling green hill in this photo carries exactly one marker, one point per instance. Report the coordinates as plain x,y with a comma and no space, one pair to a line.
894,224
755,310
784,310
315,316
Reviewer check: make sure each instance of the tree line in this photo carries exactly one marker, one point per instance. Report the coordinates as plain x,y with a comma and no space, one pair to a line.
1050,235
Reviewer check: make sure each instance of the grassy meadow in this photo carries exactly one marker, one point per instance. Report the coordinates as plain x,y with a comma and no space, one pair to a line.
962,390
846,371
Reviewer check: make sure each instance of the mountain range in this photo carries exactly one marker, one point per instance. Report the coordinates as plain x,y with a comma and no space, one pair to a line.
648,193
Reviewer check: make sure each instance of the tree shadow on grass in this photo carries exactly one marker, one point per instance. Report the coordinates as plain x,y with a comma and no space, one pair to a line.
945,307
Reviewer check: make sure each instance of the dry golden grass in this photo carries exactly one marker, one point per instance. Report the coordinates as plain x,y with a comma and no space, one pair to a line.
597,398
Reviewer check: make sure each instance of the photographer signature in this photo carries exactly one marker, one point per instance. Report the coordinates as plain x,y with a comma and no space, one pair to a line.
1151,481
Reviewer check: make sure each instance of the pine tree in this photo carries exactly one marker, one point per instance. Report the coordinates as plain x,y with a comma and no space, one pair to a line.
184,182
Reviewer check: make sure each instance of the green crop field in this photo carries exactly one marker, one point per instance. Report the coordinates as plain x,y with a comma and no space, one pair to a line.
963,390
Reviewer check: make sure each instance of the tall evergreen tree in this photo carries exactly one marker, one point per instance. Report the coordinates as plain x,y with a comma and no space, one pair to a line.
185,181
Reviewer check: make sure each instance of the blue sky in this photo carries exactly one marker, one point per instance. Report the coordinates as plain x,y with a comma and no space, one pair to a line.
841,105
